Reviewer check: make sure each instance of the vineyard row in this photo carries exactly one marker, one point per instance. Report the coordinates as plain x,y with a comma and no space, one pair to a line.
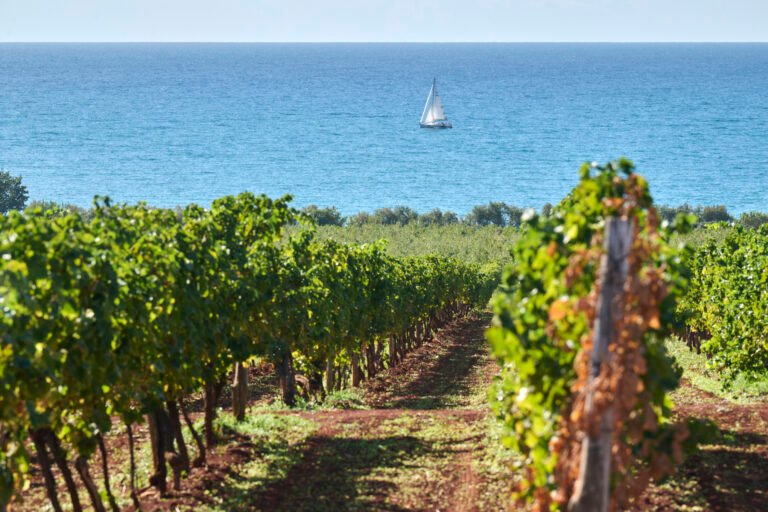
123,315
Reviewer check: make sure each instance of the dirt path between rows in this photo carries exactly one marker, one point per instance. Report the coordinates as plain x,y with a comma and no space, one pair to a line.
416,438
728,473
419,447
420,437
424,444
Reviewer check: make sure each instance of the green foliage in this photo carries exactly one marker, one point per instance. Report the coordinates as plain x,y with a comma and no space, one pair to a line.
438,217
494,213
13,193
111,315
276,443
710,214
54,209
399,215
484,215
360,219
701,235
345,399
536,341
704,214
753,219
487,245
330,216
402,215
698,372
729,300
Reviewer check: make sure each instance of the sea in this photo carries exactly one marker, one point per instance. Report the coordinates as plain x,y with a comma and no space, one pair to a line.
338,124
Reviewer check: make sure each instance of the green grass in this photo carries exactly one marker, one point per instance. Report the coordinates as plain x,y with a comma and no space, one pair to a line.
277,441
388,464
698,373
685,492
700,235
349,398
482,245
498,465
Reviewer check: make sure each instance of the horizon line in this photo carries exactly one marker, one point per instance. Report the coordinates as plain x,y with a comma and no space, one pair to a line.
384,42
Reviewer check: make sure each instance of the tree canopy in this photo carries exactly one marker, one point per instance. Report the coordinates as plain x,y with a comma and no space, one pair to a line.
13,194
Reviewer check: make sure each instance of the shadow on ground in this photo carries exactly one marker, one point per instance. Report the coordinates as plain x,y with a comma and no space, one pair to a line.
342,475
726,475
731,476
439,375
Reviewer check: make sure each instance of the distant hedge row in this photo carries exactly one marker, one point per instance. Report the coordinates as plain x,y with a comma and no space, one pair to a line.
503,214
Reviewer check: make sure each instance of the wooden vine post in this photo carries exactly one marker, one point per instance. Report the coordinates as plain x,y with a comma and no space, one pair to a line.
592,489
330,373
357,373
240,391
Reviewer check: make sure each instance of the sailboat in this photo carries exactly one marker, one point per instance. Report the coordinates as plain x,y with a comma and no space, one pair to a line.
434,115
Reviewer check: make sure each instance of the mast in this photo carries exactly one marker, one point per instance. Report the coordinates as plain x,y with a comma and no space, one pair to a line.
438,113
434,95
427,113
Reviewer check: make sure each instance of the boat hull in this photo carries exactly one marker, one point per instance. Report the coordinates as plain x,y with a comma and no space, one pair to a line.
441,124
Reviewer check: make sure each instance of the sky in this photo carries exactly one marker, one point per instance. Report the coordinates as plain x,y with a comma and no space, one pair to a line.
384,20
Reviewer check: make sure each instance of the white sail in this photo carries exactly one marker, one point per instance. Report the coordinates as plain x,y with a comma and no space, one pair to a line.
433,115
438,114
426,116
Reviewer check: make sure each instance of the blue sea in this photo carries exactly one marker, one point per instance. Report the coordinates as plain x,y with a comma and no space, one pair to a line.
337,124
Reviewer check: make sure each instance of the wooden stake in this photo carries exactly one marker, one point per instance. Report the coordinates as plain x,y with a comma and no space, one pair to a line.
240,391
592,489
357,374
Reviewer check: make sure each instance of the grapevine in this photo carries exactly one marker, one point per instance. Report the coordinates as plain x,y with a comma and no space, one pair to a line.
118,318
542,338
728,302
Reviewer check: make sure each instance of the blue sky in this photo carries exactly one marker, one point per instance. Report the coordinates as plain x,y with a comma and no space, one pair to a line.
383,20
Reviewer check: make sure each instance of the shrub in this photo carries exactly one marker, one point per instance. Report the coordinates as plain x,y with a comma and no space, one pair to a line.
325,216
13,194
753,219
438,217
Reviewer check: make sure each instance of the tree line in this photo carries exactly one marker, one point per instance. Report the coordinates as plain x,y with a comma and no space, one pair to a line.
14,196
499,213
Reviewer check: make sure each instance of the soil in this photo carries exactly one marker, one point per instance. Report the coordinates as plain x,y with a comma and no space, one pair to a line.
420,440
435,387
730,473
